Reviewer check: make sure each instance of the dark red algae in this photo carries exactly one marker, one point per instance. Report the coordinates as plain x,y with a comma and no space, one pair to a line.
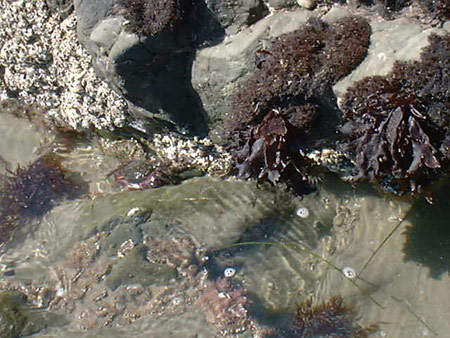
399,126
274,112
332,319
32,191
151,17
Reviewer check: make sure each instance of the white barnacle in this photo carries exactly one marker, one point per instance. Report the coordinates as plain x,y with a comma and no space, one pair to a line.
60,292
133,211
302,212
177,301
229,272
349,272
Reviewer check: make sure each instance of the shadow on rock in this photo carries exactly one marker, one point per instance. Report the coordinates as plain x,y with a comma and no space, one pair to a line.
149,60
428,239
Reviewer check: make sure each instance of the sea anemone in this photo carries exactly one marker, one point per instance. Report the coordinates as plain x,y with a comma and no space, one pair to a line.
145,174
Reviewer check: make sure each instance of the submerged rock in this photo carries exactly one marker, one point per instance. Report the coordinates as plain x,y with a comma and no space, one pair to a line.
12,318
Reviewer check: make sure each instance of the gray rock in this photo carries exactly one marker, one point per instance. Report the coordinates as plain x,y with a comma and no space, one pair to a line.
237,14
219,70
153,73
134,269
391,40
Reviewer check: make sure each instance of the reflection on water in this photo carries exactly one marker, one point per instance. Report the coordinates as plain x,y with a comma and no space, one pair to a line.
147,263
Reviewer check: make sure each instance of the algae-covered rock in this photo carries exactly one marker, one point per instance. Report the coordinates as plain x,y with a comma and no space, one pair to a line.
12,319
133,269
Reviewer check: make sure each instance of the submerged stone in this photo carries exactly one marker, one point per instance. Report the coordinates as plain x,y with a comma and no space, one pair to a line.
12,319
134,269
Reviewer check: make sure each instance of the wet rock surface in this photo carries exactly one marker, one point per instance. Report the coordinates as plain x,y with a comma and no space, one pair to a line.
148,261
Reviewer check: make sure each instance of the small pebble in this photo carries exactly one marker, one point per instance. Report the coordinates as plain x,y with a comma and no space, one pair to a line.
229,272
132,212
349,272
177,300
302,212
60,292
308,4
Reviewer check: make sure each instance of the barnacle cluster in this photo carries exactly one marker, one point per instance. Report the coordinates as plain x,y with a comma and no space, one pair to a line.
43,63
32,191
149,17
165,159
273,114
398,125
328,319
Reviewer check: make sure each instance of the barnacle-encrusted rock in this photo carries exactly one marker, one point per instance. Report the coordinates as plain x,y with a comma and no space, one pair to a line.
276,109
43,63
399,125
144,50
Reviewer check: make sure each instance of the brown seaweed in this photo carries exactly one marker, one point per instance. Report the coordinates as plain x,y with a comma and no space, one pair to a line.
151,17
398,125
274,113
32,191
331,319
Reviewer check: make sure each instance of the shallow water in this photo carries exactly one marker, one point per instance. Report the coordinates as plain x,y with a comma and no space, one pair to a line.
404,288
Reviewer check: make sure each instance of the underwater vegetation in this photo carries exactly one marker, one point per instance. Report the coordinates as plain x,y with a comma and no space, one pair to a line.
144,174
149,17
12,318
275,111
226,306
331,319
32,191
398,125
